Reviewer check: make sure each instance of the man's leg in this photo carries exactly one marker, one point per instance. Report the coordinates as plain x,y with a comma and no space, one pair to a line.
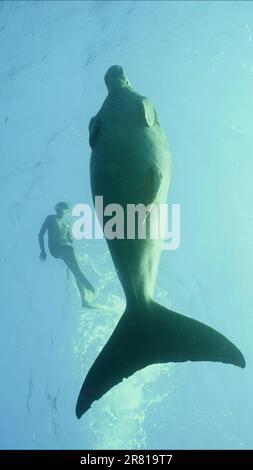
68,255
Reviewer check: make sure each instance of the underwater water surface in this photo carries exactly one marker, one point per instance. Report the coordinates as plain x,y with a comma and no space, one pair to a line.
194,61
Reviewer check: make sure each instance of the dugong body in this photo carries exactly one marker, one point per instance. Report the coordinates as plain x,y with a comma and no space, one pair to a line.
131,164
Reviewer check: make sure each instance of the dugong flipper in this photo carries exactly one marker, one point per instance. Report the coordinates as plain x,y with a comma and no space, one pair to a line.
130,164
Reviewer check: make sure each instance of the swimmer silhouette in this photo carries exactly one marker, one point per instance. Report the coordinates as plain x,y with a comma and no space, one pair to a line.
60,246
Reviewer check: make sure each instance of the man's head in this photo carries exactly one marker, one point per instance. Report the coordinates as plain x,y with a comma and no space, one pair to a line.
115,78
61,208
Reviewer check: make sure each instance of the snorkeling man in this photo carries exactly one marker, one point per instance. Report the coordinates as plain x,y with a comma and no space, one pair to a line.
60,246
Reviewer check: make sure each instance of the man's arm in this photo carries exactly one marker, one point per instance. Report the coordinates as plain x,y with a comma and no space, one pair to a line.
43,255
69,235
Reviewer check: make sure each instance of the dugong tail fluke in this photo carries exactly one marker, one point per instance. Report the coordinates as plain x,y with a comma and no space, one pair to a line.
151,336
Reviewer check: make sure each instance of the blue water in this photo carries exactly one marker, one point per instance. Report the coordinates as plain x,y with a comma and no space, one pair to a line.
194,61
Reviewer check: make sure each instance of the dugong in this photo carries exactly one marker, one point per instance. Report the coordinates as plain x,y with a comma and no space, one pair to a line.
131,164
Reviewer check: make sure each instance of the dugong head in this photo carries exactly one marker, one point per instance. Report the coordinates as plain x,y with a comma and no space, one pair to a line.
115,79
